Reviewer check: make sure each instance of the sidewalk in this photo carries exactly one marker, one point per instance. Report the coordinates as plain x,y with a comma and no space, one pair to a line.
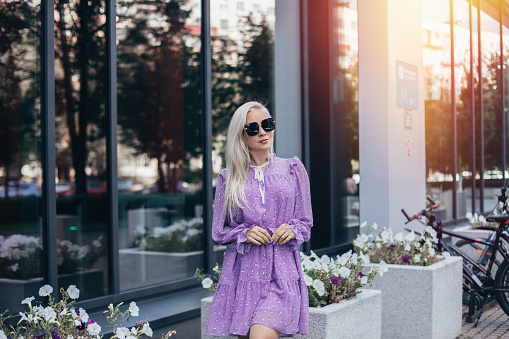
494,323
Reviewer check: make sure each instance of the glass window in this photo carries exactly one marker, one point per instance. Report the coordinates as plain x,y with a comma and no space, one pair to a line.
21,251
242,70
346,121
80,127
463,90
437,102
492,109
159,151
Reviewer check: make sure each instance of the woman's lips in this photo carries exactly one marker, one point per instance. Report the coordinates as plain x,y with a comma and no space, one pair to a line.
264,141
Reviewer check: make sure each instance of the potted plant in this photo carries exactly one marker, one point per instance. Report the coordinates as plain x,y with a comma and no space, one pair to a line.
337,302
62,320
422,292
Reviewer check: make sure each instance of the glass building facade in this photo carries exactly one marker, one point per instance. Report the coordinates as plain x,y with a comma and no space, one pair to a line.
113,119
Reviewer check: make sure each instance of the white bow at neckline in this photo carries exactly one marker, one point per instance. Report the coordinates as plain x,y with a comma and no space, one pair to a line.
261,180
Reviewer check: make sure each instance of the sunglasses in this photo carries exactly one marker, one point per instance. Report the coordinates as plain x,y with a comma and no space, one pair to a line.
253,128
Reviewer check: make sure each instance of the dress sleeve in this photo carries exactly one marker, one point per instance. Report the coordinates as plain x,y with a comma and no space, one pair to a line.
303,215
226,231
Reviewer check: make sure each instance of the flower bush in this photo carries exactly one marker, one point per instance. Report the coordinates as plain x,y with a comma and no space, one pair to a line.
478,220
209,282
409,249
330,281
20,256
181,236
62,320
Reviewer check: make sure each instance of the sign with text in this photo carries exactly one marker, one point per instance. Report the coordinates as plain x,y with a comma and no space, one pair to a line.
407,85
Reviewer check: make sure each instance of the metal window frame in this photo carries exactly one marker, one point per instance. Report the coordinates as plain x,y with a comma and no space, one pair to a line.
49,228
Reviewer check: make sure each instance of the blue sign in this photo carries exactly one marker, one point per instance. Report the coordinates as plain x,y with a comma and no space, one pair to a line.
407,85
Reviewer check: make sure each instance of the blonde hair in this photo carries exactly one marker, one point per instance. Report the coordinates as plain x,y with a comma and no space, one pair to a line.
237,158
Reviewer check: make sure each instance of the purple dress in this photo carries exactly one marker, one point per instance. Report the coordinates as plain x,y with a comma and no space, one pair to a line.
263,284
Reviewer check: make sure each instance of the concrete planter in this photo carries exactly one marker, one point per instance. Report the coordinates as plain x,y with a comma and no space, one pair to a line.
356,318
421,301
142,268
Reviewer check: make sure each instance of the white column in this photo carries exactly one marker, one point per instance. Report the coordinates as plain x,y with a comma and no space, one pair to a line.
392,177
287,80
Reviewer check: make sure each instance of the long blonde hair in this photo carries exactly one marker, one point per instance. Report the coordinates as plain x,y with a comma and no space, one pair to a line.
237,158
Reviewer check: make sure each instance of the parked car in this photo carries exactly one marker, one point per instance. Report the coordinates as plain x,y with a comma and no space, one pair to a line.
19,189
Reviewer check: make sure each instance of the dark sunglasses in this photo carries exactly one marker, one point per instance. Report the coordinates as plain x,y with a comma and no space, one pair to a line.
253,128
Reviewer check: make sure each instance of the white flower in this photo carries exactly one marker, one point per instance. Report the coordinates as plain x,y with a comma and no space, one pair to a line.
446,255
122,332
83,316
134,309
45,290
408,247
94,329
482,219
399,237
147,330
364,280
325,267
325,259
417,258
316,265
319,287
386,235
431,251
28,301
134,332
14,267
49,314
374,226
308,280
364,224
74,292
383,267
2,335
207,282
335,271
344,272
410,236
364,258
468,215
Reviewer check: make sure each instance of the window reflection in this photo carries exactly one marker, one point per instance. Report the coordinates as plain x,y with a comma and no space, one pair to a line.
437,101
21,250
463,90
80,126
242,66
492,109
159,152
346,104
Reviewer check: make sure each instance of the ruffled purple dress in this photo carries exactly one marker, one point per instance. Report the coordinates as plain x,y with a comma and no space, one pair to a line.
263,284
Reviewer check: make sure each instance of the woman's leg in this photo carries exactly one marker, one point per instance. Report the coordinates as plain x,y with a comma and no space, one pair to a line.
258,331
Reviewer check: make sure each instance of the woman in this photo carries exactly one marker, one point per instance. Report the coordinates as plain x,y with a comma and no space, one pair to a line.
262,211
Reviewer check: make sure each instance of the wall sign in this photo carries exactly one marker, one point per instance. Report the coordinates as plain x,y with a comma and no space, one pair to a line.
407,85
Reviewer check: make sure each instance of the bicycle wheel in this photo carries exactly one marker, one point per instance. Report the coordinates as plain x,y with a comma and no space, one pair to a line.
475,250
502,281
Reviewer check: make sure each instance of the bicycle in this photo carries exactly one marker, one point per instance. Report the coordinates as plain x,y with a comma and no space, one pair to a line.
478,281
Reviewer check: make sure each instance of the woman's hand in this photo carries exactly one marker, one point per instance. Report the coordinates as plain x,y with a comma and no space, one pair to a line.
283,235
258,235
